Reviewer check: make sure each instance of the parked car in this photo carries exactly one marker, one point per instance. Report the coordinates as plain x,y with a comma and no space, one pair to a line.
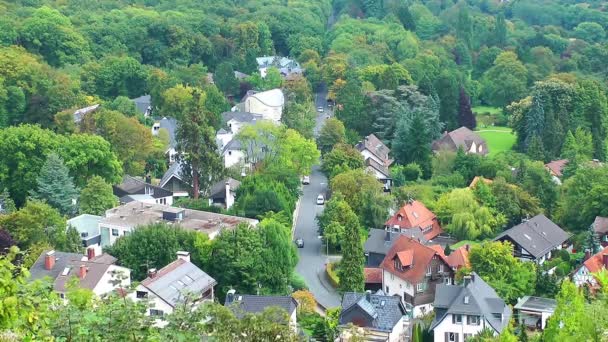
320,200
300,242
320,109
306,180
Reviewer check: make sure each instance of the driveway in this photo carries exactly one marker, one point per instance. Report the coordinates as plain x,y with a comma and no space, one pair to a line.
311,265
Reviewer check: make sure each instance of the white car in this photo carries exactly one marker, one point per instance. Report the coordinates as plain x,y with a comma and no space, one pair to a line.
306,180
320,109
320,200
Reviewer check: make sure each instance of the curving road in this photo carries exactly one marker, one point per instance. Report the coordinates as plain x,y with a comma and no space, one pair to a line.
311,265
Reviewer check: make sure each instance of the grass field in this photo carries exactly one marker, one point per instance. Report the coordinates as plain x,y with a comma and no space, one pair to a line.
486,109
465,242
498,138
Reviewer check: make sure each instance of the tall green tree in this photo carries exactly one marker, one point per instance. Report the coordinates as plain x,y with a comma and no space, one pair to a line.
55,186
504,82
225,80
447,90
500,30
332,133
412,143
350,270
280,257
96,197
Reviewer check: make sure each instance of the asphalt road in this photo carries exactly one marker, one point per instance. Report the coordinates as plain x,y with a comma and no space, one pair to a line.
311,265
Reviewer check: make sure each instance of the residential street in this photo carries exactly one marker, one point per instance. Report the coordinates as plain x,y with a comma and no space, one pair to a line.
312,261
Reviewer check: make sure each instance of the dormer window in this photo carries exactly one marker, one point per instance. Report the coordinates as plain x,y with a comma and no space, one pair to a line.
399,218
398,265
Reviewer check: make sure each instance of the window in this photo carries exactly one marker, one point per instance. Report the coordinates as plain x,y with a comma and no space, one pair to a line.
229,153
429,269
398,265
452,337
126,232
420,287
114,232
447,281
387,290
473,320
154,312
497,316
427,229
440,268
141,294
456,319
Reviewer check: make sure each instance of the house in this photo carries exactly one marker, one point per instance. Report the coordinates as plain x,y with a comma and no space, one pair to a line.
87,227
411,271
166,288
583,275
173,181
233,123
535,239
600,227
380,241
170,126
414,215
143,104
556,167
382,317
459,258
223,193
96,273
285,65
269,104
376,157
373,278
464,138
462,311
133,189
533,312
124,219
82,112
233,154
242,304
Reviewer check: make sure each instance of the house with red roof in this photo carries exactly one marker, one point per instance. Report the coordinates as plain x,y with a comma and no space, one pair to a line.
600,227
459,258
414,215
584,274
412,270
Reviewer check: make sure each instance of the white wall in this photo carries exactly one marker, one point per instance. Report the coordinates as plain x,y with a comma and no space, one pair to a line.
121,231
367,154
104,286
253,105
461,328
398,286
582,276
398,331
233,157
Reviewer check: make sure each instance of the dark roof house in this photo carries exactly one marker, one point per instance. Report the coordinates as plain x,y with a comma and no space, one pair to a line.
463,138
133,186
535,238
377,148
242,304
143,104
372,311
474,298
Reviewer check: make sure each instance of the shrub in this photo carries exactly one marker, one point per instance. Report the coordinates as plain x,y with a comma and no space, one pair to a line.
331,270
297,282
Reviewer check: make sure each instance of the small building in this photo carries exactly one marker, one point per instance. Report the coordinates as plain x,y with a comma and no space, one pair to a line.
96,273
173,181
143,104
462,311
169,125
464,138
382,317
583,275
533,312
478,179
223,193
87,227
82,112
373,278
556,167
535,239
269,104
242,304
414,215
600,227
171,285
459,258
376,156
133,189
285,65
412,271
122,220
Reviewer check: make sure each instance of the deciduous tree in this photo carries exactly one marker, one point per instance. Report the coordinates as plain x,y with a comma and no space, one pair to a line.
96,197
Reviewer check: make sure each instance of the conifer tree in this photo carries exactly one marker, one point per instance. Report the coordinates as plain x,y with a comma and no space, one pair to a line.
465,114
350,272
55,186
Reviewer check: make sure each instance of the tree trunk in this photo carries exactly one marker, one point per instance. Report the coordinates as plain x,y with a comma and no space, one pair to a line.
195,184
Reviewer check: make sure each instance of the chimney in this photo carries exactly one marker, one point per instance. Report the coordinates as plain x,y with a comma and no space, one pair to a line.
230,296
82,271
183,255
587,254
152,273
90,253
466,280
148,179
605,260
368,296
49,260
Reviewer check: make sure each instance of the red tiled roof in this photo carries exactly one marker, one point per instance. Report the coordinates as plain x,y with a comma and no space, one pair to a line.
438,249
421,257
459,258
373,275
557,166
159,274
595,263
415,215
406,257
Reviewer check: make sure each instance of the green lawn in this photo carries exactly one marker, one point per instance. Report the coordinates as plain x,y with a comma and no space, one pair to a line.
464,242
486,109
498,138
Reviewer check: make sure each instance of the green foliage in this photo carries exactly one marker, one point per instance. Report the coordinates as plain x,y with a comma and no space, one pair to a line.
352,185
342,158
509,276
225,80
96,197
279,255
114,76
505,81
259,194
55,186
156,245
335,219
332,133
350,271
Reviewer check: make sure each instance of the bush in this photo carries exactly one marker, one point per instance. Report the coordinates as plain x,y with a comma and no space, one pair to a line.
331,270
412,172
563,254
297,282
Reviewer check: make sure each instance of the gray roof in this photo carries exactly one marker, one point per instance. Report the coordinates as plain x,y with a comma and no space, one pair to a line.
133,186
482,301
170,124
131,198
459,138
175,170
232,145
240,117
538,236
80,113
537,304
255,304
370,162
218,190
142,103
379,241
384,311
176,280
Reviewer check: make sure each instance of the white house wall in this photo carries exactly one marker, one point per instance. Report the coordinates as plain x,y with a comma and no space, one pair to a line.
105,286
233,157
461,328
